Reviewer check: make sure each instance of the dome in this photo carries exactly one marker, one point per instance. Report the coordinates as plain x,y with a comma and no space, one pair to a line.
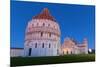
44,15
43,22
42,36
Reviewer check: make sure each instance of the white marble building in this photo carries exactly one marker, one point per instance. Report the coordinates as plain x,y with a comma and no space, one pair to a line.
70,46
42,38
16,52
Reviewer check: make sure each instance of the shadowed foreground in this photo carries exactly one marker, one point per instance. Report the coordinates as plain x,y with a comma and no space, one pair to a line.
22,61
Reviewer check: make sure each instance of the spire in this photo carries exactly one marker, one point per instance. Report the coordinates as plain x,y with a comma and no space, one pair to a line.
45,14
45,11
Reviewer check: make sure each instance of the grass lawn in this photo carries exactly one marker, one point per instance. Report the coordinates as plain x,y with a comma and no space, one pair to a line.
22,61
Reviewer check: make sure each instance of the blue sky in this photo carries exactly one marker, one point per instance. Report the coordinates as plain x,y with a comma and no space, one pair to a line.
76,21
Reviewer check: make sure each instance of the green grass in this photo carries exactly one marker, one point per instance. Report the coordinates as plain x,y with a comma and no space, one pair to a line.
22,61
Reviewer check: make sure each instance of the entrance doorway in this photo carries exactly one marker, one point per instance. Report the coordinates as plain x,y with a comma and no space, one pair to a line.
30,50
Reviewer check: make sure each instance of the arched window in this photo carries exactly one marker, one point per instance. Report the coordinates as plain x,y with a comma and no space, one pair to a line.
35,45
43,45
30,49
41,34
43,24
49,34
49,45
67,52
71,52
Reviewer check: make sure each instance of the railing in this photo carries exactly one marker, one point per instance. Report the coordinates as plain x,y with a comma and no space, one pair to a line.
43,29
52,39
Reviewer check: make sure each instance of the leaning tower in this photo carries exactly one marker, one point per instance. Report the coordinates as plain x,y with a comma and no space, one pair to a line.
85,43
42,36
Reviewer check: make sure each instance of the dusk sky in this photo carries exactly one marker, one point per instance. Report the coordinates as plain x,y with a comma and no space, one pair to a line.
75,21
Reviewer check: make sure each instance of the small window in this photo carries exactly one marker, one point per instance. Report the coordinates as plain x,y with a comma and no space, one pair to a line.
30,49
41,34
49,34
43,24
71,52
35,45
43,45
49,45
67,52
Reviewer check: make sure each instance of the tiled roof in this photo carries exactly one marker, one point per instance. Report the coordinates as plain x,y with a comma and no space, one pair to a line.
45,14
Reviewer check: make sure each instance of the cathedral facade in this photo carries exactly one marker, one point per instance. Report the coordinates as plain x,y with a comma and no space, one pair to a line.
70,46
42,38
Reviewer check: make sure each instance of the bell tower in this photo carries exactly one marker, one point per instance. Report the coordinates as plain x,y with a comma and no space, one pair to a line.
85,44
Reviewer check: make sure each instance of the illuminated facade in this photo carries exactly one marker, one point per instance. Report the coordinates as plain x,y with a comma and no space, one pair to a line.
70,46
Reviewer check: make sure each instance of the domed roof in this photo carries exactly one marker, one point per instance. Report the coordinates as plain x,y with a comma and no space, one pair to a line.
45,14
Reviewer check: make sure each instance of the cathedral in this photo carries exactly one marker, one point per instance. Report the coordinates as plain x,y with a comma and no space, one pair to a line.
70,46
42,38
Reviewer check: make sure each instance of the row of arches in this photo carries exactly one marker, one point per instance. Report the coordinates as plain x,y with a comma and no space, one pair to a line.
67,52
42,35
41,45
43,25
30,51
42,30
